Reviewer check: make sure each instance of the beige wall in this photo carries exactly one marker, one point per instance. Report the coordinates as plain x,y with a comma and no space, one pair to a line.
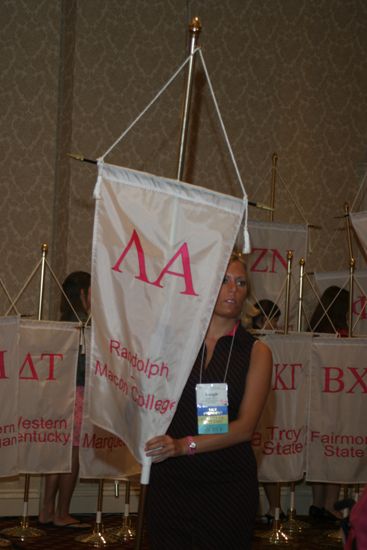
290,77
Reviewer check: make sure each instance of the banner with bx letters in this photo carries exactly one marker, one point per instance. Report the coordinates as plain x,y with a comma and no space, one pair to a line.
337,427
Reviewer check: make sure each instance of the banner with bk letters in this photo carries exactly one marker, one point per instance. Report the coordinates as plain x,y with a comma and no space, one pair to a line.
337,427
160,251
267,262
279,440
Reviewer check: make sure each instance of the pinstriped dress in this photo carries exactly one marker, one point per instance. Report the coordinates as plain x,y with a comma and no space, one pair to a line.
207,501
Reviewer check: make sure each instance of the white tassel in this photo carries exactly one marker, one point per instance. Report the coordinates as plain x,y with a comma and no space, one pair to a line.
97,187
246,241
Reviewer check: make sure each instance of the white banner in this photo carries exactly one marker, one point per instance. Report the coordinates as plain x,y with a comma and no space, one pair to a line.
341,279
9,338
48,355
359,222
279,441
337,439
160,250
267,263
102,455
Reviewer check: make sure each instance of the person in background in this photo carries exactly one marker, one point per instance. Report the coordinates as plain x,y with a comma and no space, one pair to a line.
330,316
268,315
59,488
203,491
267,319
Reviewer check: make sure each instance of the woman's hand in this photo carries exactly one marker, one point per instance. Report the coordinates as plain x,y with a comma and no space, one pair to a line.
163,446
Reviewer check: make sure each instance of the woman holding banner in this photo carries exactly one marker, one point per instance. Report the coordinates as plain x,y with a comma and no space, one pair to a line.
75,306
203,486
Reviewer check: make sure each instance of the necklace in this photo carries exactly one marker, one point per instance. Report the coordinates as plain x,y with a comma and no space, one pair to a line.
228,360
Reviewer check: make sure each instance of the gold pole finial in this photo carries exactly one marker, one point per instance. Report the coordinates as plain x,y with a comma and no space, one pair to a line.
195,25
44,248
77,156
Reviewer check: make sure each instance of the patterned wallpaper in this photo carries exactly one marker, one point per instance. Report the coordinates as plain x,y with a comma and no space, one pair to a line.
289,76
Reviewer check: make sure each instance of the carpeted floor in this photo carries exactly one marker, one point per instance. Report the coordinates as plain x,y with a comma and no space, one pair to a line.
314,537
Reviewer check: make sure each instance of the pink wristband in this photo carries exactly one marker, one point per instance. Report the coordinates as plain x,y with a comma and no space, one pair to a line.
191,445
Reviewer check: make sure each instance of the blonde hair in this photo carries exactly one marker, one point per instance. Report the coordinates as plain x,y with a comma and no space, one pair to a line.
248,310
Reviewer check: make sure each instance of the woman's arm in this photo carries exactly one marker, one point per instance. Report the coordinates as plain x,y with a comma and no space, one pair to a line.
257,388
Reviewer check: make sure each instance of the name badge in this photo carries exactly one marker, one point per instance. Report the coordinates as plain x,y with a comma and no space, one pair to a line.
212,408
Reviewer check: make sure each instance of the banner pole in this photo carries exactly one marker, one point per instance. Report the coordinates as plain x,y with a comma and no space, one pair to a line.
349,235
351,290
274,160
288,289
194,29
44,249
300,293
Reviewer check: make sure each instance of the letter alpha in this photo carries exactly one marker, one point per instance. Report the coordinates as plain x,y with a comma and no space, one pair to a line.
183,251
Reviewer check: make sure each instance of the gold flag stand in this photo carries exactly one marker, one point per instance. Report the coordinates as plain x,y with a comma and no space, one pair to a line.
98,538
126,532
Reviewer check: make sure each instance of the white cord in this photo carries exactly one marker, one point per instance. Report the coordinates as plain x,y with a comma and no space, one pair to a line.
156,97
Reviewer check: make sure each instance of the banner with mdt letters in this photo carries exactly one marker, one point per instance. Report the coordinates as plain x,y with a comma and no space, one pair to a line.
279,440
337,428
9,337
48,355
102,455
267,263
359,305
160,251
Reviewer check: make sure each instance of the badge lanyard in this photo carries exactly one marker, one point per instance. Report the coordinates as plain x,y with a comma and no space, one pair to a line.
212,401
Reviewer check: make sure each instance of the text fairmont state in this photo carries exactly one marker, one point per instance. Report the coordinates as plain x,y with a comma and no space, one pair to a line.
145,401
144,366
341,445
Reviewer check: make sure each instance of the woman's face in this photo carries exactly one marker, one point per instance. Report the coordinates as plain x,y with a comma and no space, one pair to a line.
233,292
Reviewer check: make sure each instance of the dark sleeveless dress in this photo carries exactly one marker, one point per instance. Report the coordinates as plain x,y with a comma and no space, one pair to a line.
206,501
